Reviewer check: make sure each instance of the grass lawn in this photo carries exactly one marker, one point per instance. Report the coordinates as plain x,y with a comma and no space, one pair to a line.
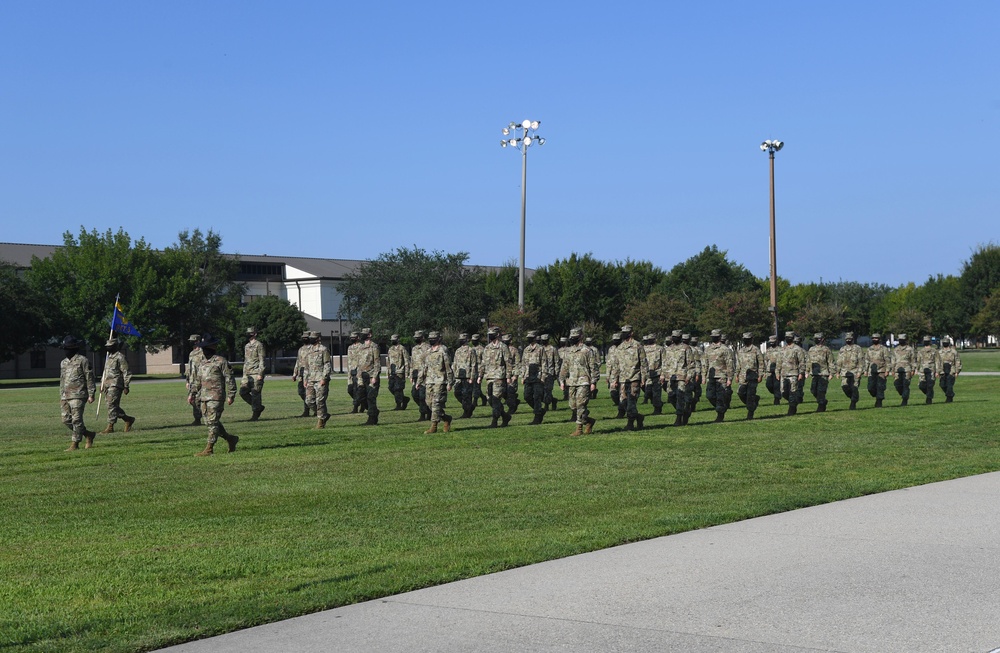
980,360
137,544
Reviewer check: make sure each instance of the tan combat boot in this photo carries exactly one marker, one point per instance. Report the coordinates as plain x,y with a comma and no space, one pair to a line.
110,428
589,428
432,429
447,423
577,432
129,421
90,439
73,446
209,450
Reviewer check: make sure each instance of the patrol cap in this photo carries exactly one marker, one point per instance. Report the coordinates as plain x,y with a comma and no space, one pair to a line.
354,334
418,334
626,328
876,336
532,334
685,336
70,342
588,340
694,340
927,340
724,337
505,337
463,336
544,337
796,339
946,340
716,333
789,334
366,331
314,334
650,336
433,335
676,333
194,337
574,333
902,336
849,335
112,342
772,338
493,331
475,337
748,335
616,336
306,335
394,337
817,336
251,331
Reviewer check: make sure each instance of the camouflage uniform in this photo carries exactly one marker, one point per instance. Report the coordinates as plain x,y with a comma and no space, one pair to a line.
318,370
631,372
76,388
718,366
194,359
214,385
878,360
950,367
477,386
300,372
698,358
417,391
611,368
465,371
496,369
551,372
253,374
116,379
369,361
821,366
904,366
750,366
677,373
512,388
927,366
399,366
359,401
654,359
535,364
562,349
772,360
792,372
850,366
436,377
577,377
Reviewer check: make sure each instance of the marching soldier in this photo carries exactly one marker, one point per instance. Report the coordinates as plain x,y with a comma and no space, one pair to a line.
436,377
878,359
904,363
496,369
465,370
821,367
477,387
300,373
631,371
951,366
850,367
76,387
772,357
792,372
215,386
515,359
577,377
612,371
927,366
369,362
699,376
750,366
654,358
399,364
115,380
534,372
318,369
194,359
358,399
551,371
719,375
252,384
677,373
417,391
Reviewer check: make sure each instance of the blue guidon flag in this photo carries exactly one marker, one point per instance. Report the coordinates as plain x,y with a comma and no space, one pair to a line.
121,325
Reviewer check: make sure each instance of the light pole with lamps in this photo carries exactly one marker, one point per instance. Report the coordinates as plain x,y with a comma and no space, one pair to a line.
521,136
772,146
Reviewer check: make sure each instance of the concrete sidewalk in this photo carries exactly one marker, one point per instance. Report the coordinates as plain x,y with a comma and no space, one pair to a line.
910,570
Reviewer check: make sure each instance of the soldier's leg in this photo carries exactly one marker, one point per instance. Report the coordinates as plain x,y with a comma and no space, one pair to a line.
682,409
949,391
196,411
793,394
371,393
786,389
657,396
753,399
905,388
301,389
512,399
741,392
246,390
311,399
115,411
256,395
320,393
822,384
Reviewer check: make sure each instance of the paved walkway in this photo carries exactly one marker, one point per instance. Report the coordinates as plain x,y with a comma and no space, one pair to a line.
910,570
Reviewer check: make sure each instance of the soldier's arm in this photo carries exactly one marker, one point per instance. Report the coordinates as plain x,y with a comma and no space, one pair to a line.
227,374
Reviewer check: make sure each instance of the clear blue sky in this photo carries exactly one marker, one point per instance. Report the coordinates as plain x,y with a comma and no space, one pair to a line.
335,129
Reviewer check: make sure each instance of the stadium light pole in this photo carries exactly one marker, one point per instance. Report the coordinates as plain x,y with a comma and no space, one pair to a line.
520,136
772,146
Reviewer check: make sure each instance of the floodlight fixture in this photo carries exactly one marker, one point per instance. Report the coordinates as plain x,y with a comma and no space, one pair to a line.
522,138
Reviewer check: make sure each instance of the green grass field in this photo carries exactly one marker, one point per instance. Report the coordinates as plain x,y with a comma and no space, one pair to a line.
137,544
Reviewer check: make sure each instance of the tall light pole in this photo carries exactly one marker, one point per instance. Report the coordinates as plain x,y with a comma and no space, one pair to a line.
771,147
520,136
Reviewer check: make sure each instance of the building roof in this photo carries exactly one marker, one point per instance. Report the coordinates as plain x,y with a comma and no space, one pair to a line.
20,254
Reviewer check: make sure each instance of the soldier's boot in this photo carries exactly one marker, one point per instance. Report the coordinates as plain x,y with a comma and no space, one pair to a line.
906,400
446,419
578,431
750,413
658,410
821,408
947,400
555,404
588,427
719,416
207,451
928,400
432,429
231,440
354,409
878,403
406,402
639,419
129,421
854,404
631,424
621,412
493,424
88,439
679,420
793,409
197,422
321,422
110,428
505,419
73,446
305,410
537,420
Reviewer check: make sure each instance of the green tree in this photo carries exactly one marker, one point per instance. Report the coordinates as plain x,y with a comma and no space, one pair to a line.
826,318
941,299
987,321
737,312
706,276
409,289
659,314
76,286
500,285
911,321
980,275
576,290
512,320
860,302
23,323
638,279
279,324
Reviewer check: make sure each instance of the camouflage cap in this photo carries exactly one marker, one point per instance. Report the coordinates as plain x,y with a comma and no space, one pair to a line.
694,340
531,335
876,336
902,336
626,328
418,334
772,338
588,340
817,336
366,331
475,337
946,341
463,336
849,335
685,336
574,333
544,337
616,336
314,334
676,333
112,342
716,333
797,339
927,340
493,331
724,337
650,336
506,337
354,334
789,334
394,337
748,335
194,337
563,339
251,331
433,335
306,335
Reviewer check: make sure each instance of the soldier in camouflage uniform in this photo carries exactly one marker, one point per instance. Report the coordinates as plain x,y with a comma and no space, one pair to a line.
654,359
253,374
194,359
437,378
772,359
951,366
850,366
563,348
631,371
719,372
927,367
358,399
750,366
299,374
820,366
465,371
215,386
419,392
399,366
534,372
878,360
904,364
76,387
792,372
577,377
496,369
512,387
698,357
611,367
679,367
597,357
115,382
369,362
318,369
477,387
551,371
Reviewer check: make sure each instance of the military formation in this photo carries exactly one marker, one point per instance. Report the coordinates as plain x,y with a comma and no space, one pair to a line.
501,375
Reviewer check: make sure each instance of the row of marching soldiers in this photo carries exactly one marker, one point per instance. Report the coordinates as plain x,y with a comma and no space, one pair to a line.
683,368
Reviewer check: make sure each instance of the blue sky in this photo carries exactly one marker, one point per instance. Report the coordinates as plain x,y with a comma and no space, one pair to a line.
345,130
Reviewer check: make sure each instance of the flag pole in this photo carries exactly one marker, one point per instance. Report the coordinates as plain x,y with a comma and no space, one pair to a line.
104,372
